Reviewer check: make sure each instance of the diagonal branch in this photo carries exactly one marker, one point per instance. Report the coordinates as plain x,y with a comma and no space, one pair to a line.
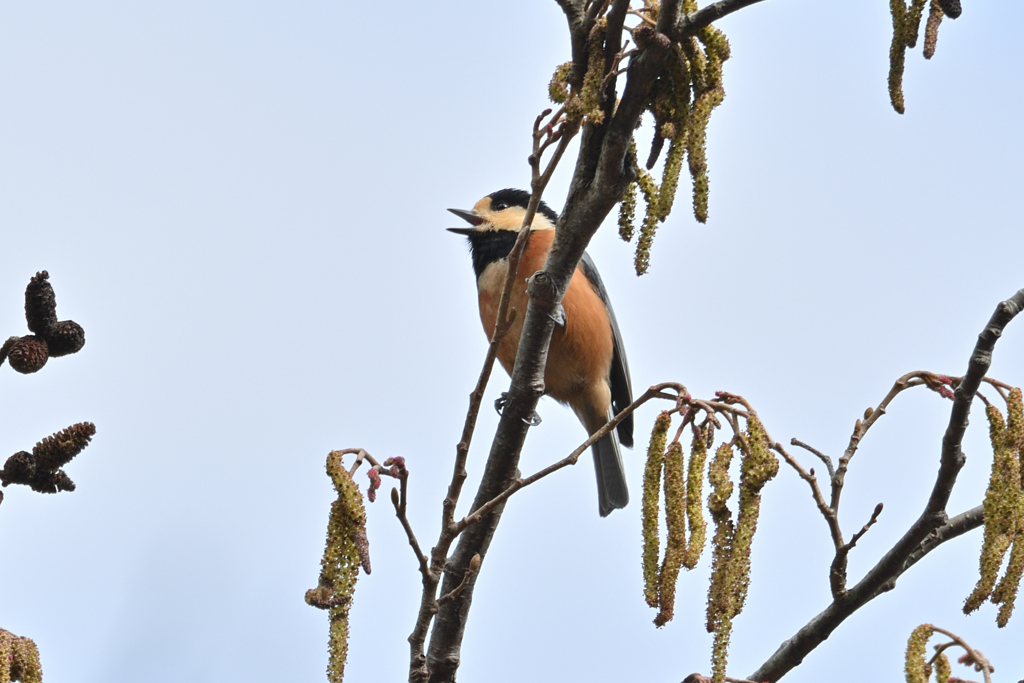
956,526
593,194
689,24
831,518
821,456
419,667
657,391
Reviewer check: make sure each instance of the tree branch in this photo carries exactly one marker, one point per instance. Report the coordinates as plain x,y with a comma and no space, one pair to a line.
821,456
957,526
596,188
656,391
837,573
925,533
831,518
907,381
421,668
689,24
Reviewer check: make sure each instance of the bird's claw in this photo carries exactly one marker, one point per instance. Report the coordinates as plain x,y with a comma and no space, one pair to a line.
558,315
533,419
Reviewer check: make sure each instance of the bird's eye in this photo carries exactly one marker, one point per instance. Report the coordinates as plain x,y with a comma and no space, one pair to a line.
499,206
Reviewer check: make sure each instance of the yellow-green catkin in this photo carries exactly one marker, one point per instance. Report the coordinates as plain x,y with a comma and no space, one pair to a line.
649,188
670,177
708,94
759,466
721,545
897,53
675,522
943,671
1001,508
912,22
681,100
590,98
19,659
652,493
558,88
721,485
730,565
1015,427
720,650
695,498
627,213
1005,593
916,665
339,568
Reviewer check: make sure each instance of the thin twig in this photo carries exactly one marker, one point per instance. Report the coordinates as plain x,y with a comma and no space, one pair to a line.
821,456
907,381
831,518
398,500
979,660
479,513
504,318
474,565
503,321
361,455
837,572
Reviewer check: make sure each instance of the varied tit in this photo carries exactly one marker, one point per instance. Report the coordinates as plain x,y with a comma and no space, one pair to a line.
586,366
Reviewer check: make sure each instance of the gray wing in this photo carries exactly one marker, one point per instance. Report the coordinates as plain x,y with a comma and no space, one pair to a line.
622,393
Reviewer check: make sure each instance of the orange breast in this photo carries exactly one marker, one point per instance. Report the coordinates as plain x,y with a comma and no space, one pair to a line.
580,356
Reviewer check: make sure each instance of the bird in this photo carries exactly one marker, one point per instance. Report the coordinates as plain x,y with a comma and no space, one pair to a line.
586,367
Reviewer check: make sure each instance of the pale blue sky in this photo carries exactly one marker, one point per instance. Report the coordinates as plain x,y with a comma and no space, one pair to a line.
243,203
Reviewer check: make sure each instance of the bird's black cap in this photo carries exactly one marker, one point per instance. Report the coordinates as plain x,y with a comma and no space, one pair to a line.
512,197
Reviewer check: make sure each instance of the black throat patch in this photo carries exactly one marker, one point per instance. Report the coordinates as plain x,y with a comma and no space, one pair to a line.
490,246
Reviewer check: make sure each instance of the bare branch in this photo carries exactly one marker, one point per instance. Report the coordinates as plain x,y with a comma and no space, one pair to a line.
907,381
885,573
831,518
656,391
977,659
400,513
474,565
689,24
957,526
821,456
573,9
837,573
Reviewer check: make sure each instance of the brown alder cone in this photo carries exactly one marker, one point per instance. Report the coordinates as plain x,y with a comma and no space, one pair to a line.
28,354
65,337
20,468
40,304
58,449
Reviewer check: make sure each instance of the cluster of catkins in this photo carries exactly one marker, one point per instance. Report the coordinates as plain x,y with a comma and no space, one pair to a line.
41,469
1004,513
50,337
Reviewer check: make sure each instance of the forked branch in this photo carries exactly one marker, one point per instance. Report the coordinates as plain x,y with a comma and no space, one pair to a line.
931,529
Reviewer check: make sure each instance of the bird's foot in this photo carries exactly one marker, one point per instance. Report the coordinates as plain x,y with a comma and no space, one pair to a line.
533,419
558,315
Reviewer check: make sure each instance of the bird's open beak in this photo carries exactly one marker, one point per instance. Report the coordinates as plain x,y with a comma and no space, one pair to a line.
470,218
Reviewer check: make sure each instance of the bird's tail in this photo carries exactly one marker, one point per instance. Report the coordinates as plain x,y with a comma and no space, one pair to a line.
612,492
